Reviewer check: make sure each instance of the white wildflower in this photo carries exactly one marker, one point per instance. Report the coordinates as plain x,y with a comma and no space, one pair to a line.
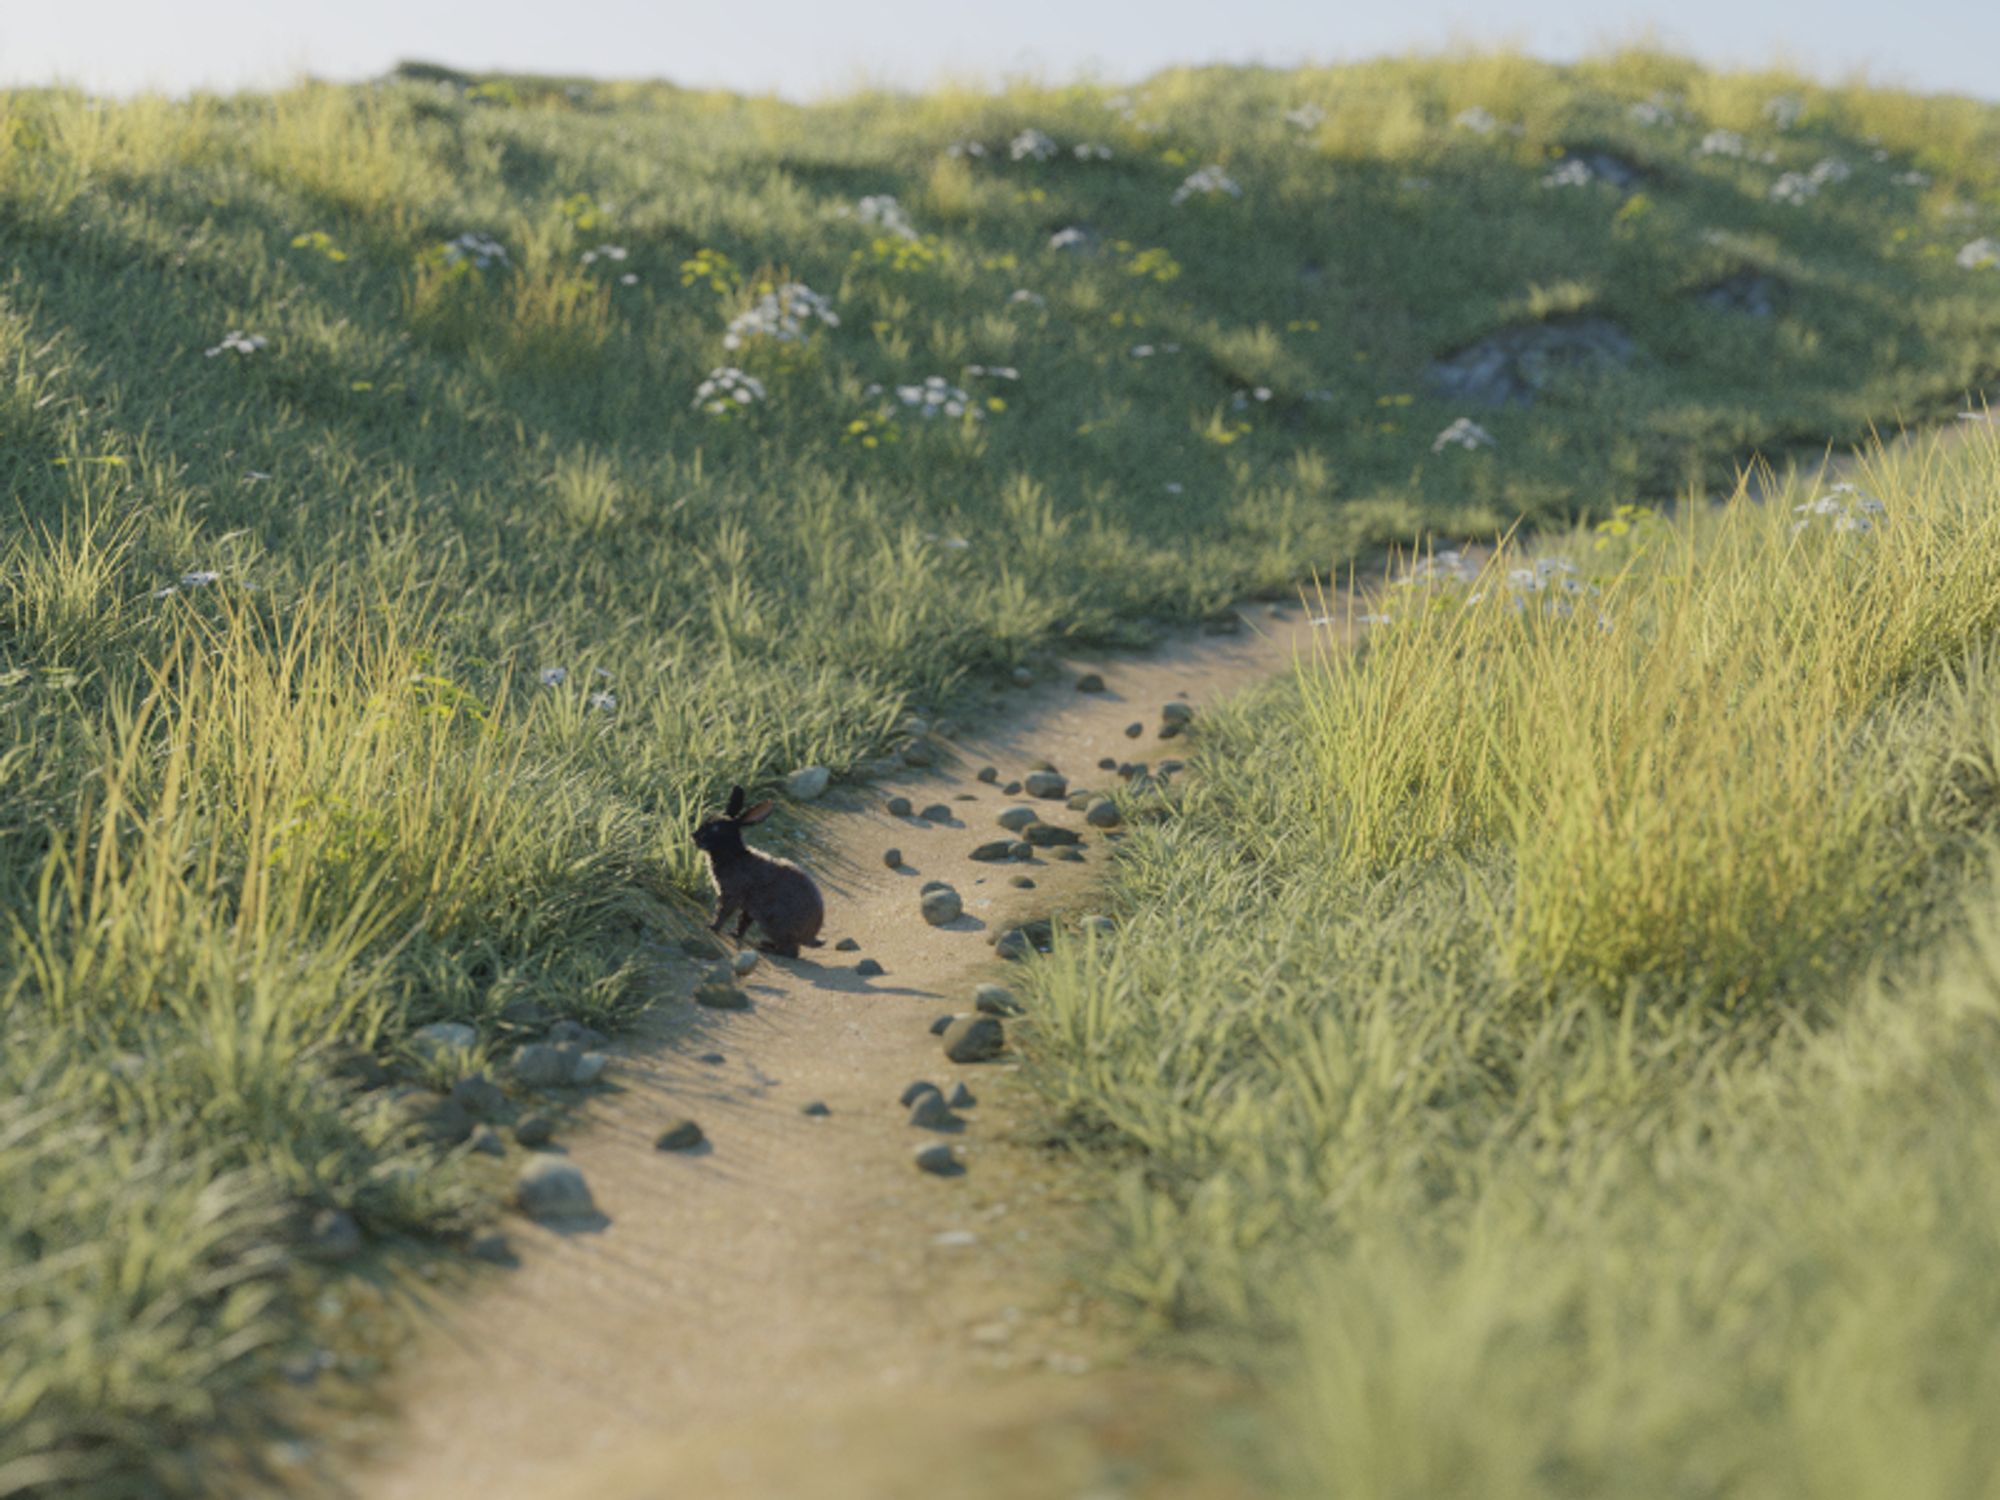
1850,508
1913,178
1090,151
630,278
554,676
241,342
1307,117
604,703
1063,239
482,250
1572,173
1722,143
965,148
784,315
1478,121
1142,351
726,390
937,397
603,252
1210,182
200,578
1650,112
883,211
1981,255
1031,145
1173,487
994,372
1784,111
1464,433
1022,297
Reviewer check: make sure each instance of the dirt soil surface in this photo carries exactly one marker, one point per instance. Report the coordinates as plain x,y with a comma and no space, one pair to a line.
793,1309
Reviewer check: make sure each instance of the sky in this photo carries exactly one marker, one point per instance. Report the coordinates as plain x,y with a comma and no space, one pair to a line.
806,48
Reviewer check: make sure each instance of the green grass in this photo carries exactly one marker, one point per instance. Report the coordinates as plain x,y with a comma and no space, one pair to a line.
280,775
1554,1046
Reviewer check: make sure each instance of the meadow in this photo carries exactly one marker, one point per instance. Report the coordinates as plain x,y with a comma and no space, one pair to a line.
422,497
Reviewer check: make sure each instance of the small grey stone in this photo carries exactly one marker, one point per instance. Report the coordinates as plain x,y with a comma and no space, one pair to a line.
681,1135
1170,730
1011,789
974,1038
807,783
1022,677
989,773
1022,883
893,858
1168,766
1024,850
1090,682
937,812
1050,784
814,1107
534,1130
434,1117
441,1037
1043,763
847,945
356,1065
916,725
575,1033
1015,818
1176,713
744,962
1048,835
486,1141
899,807
1133,731
993,851
545,1065
721,997
918,753
702,945
713,1059
1074,856
334,1235
551,1188
1097,927
491,1246
995,1000
939,1026
1078,801
945,729
929,1112
916,1091
589,1068
1103,813
1108,763
868,968
938,1158
961,1097
479,1096
940,907
1013,943
933,885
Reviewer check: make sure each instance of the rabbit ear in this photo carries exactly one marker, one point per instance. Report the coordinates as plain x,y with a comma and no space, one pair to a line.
758,813
735,801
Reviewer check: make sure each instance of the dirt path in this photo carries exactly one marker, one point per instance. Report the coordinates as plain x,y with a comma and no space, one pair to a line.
795,1309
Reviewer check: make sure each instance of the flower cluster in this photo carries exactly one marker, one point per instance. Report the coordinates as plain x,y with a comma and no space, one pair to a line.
1243,400
1650,112
201,578
478,250
727,391
1573,173
1070,238
965,148
1478,121
1980,255
1147,351
602,252
899,255
1022,297
713,267
1307,117
1154,264
783,314
1800,187
1464,433
883,211
1031,145
1848,508
1208,182
994,372
939,397
1785,110
1090,151
1722,143
319,240
241,342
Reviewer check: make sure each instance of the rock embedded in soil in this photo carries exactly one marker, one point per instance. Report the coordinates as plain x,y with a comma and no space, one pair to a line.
721,997
479,1096
937,812
551,1188
815,1107
1013,944
989,773
868,968
443,1037
1134,730
937,1158
589,1068
1022,883
930,1112
942,906
1107,763
1074,856
847,945
486,1141
1024,850
1516,366
1176,712
576,1034
1011,789
547,1065
1097,927
432,1117
682,1135
942,1023
491,1246
1090,682
1014,819
893,858
744,962
915,1091
334,1236
1078,801
993,851
975,1038
961,1097
898,807
807,783
1052,785
1022,677
1048,835
995,1000
918,753
534,1130
1103,813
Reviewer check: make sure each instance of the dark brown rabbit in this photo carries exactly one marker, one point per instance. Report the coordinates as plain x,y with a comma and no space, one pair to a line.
774,893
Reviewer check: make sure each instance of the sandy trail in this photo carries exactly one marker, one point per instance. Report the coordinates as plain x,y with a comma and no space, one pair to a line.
777,1314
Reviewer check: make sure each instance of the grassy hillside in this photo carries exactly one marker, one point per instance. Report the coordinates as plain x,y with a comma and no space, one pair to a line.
1556,1046
420,498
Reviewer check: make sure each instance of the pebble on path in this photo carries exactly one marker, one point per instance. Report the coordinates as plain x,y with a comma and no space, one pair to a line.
1103,813
915,1091
1011,789
1048,835
814,1107
1074,856
993,851
534,1130
893,858
1090,682
1107,763
721,997
1133,731
868,968
1022,882
989,773
847,945
995,1000
1052,785
937,1158
930,1112
1015,818
807,783
961,1097
942,906
682,1135
744,962
898,807
933,885
492,1247
551,1188
937,812
941,1023
974,1038
1176,713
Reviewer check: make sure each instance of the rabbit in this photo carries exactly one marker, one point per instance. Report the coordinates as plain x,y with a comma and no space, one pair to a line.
774,893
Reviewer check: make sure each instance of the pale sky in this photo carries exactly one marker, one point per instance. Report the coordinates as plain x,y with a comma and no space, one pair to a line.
801,48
